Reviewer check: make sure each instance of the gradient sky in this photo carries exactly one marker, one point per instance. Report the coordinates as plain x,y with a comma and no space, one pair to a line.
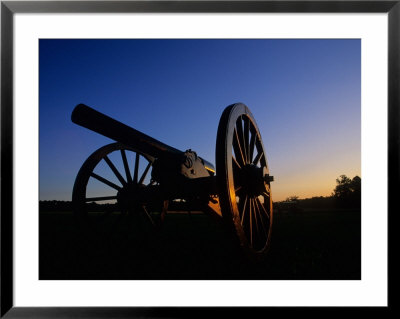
304,94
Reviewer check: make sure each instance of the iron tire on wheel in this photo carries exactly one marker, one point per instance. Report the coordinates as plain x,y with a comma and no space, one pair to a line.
243,180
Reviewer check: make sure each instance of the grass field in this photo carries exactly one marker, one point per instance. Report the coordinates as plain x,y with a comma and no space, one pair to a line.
305,245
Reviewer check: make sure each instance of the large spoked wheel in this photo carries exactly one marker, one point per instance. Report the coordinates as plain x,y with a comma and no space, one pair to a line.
243,179
111,184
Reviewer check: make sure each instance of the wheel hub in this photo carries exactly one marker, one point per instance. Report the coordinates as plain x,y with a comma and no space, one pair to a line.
253,179
129,196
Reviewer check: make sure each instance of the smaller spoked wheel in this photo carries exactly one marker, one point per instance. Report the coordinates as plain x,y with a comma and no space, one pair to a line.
243,179
113,183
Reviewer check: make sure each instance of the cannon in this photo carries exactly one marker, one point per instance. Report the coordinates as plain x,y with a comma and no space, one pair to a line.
152,174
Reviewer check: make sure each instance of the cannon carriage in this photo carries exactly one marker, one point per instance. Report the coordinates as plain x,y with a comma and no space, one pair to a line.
237,190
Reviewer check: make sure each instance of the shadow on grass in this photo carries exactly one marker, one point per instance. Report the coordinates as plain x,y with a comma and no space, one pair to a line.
307,245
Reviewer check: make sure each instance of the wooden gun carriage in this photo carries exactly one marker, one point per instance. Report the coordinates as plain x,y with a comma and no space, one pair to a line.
238,190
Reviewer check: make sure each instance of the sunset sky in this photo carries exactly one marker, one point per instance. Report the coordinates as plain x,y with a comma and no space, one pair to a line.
304,94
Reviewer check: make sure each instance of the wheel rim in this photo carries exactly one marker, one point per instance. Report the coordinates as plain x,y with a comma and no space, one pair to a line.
128,176
243,178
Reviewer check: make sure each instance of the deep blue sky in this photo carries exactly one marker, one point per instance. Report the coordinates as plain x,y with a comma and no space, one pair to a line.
304,94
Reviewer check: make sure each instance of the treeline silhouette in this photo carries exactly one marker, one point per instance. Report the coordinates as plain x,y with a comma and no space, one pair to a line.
294,204
66,206
55,206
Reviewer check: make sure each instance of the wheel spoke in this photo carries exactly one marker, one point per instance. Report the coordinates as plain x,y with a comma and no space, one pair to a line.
96,199
238,150
235,162
258,157
257,201
236,171
136,173
145,173
126,166
243,210
252,145
148,215
114,169
261,233
263,208
105,181
246,131
251,222
239,129
254,213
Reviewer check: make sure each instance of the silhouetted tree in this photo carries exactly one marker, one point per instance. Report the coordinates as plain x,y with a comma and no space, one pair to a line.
356,186
347,193
342,189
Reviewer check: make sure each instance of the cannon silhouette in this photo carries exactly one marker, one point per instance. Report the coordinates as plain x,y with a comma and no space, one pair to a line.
238,190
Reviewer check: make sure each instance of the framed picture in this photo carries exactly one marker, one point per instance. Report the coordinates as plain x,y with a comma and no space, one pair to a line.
160,158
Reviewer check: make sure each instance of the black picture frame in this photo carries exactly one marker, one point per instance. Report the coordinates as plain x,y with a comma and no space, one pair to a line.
9,8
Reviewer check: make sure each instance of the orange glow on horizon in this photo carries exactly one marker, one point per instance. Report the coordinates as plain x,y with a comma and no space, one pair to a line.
307,185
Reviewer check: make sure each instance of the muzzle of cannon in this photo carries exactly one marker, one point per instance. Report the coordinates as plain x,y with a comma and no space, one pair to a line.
139,175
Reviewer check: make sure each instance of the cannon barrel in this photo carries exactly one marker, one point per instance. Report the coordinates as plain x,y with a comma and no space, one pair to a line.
86,116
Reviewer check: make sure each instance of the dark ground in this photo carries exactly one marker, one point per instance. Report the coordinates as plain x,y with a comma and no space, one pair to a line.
305,245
